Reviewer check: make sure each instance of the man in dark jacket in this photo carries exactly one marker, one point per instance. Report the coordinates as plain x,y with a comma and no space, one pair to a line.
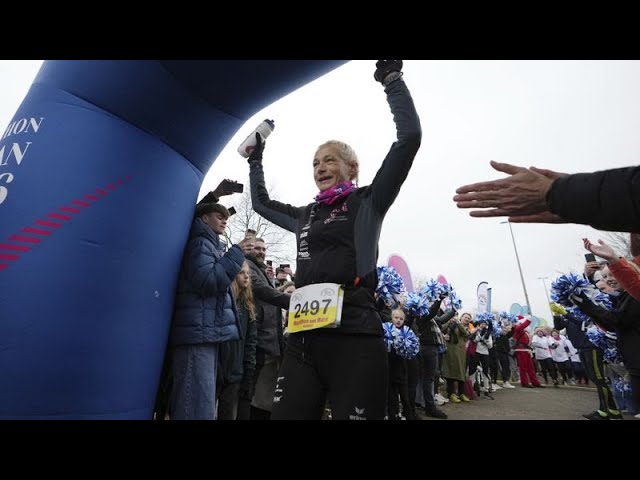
606,200
205,313
269,305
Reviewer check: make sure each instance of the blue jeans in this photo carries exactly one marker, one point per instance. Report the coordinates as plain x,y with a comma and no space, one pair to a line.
194,368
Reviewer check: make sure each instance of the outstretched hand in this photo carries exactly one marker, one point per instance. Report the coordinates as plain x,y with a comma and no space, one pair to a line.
603,250
521,196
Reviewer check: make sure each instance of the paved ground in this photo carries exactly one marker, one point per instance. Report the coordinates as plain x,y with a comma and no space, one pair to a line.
563,403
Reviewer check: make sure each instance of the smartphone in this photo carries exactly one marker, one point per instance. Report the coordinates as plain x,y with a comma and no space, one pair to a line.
284,265
233,186
250,233
589,257
269,263
232,211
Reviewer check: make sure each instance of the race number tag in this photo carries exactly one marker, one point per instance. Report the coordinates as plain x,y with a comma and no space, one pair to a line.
315,306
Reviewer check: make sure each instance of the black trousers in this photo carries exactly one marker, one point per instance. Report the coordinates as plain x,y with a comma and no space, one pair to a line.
351,370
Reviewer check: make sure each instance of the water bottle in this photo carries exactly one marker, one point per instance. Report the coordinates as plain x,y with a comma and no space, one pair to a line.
264,129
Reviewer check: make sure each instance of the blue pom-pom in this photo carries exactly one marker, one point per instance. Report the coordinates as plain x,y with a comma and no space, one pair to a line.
566,285
432,290
417,304
388,329
406,343
390,285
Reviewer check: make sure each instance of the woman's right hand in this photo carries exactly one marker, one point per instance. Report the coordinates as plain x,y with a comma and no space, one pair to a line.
256,154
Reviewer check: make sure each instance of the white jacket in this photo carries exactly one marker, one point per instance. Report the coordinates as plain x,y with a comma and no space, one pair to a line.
541,347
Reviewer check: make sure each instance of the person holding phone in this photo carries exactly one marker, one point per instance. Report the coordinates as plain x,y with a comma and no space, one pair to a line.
626,273
205,313
337,239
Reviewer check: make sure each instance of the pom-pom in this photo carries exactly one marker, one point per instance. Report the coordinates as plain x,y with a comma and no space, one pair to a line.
390,285
417,304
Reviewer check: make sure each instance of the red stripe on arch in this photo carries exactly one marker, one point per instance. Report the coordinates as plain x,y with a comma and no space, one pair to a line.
44,223
59,216
3,266
15,248
8,256
20,238
37,231
91,197
80,202
102,192
70,209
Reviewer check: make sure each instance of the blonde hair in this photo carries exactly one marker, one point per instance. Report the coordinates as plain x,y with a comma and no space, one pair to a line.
244,295
346,154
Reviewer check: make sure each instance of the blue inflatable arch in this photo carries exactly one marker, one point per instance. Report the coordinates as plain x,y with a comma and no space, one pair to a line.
100,170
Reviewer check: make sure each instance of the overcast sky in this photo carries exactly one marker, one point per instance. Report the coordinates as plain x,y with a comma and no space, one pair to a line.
570,116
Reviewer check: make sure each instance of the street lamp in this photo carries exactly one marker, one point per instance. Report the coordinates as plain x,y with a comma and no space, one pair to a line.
546,292
524,287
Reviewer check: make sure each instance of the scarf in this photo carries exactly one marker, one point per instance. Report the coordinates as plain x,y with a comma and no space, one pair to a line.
335,193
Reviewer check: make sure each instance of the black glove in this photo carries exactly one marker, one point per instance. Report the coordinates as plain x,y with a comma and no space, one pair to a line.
256,154
386,67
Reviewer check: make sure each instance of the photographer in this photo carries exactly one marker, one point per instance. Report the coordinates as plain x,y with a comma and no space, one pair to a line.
284,274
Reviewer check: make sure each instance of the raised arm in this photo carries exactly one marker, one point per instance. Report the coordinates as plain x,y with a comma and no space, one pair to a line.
395,167
282,214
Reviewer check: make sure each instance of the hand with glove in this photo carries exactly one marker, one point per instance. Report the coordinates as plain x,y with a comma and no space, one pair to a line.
557,309
388,71
256,155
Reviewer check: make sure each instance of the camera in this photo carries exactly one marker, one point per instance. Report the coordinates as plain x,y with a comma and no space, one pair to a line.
269,263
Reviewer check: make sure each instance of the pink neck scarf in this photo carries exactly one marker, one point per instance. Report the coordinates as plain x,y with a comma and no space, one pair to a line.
335,193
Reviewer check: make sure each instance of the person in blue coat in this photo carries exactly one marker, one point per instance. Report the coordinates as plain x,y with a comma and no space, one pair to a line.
205,313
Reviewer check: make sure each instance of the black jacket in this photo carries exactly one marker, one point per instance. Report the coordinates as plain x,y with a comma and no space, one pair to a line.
625,320
338,243
573,326
606,200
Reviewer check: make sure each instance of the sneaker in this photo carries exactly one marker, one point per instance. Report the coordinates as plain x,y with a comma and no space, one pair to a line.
495,387
435,413
615,416
637,416
507,385
464,398
438,402
488,396
454,398
571,381
527,385
539,385
437,396
595,416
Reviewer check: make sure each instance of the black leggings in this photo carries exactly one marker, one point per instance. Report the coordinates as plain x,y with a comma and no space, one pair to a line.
548,368
592,360
505,366
352,370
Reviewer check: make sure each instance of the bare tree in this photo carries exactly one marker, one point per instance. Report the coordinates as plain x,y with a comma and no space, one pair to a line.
281,244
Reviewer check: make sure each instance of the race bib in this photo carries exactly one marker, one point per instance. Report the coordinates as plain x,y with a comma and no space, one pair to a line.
315,306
